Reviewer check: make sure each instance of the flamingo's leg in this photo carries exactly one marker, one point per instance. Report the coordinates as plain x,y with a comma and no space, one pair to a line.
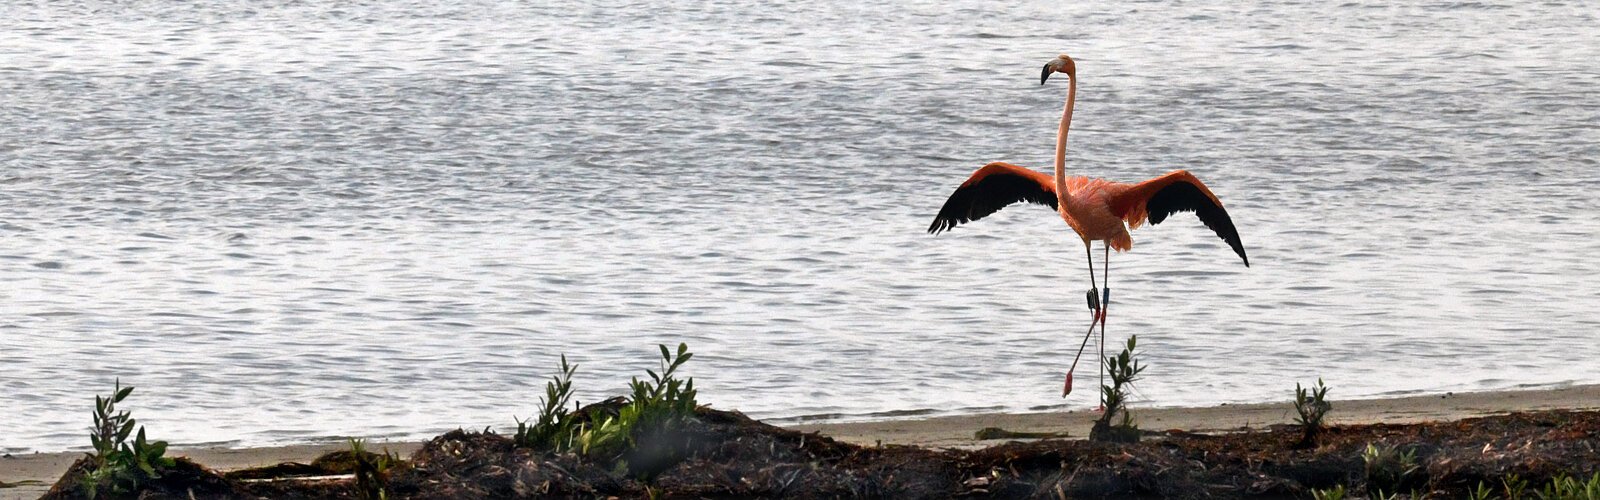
1094,288
1105,303
1094,306
1067,388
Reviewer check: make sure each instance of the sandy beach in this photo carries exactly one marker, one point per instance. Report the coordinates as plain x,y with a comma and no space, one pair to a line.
37,471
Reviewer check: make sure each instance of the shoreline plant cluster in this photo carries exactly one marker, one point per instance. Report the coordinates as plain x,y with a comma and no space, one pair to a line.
616,431
118,465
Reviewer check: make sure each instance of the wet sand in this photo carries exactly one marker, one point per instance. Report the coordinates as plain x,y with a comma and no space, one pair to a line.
39,470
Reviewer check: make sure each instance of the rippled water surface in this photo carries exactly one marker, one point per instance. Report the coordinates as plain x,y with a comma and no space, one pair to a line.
284,221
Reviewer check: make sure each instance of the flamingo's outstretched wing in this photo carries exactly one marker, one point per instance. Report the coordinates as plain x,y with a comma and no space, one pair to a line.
990,189
1177,191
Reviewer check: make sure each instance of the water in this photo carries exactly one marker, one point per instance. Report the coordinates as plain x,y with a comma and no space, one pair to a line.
286,221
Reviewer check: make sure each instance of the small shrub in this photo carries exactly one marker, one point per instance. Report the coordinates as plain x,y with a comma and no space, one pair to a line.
1124,368
1388,469
554,428
118,465
1312,406
653,411
655,407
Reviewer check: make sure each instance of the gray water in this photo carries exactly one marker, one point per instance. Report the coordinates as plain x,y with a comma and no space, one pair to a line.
286,221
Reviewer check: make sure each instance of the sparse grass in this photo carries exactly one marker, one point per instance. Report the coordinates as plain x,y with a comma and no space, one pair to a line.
1334,493
120,466
1124,369
1564,487
1312,406
1513,486
1560,487
1482,492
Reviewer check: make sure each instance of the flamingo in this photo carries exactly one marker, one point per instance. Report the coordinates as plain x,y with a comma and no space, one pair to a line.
1096,209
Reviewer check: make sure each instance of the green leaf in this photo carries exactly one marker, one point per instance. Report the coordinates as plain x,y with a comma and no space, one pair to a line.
683,348
123,393
664,353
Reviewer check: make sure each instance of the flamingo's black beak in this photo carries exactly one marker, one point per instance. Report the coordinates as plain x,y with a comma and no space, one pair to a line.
1045,75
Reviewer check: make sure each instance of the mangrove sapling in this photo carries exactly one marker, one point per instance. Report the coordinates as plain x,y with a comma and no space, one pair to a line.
554,428
1124,369
655,414
119,465
634,431
1312,406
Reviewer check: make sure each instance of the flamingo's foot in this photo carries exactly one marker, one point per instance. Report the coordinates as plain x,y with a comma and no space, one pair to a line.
1094,299
1067,388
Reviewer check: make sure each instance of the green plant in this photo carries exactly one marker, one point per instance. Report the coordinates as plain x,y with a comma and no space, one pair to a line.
119,465
1513,485
1564,487
1312,406
1482,492
1124,369
371,471
1387,468
1334,493
655,406
609,432
665,399
554,427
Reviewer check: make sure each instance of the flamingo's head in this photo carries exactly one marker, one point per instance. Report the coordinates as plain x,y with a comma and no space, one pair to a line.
1061,64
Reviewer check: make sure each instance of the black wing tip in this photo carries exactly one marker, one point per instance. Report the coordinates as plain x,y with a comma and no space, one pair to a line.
1231,237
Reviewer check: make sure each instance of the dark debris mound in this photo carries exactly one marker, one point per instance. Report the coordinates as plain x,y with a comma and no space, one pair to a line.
185,479
1453,458
720,454
723,454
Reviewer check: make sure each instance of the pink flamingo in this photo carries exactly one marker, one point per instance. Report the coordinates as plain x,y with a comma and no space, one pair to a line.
1096,209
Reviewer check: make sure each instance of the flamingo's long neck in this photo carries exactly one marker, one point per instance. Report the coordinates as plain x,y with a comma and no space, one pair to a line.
1061,142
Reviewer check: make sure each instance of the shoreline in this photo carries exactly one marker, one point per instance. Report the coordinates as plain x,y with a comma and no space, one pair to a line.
39,470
